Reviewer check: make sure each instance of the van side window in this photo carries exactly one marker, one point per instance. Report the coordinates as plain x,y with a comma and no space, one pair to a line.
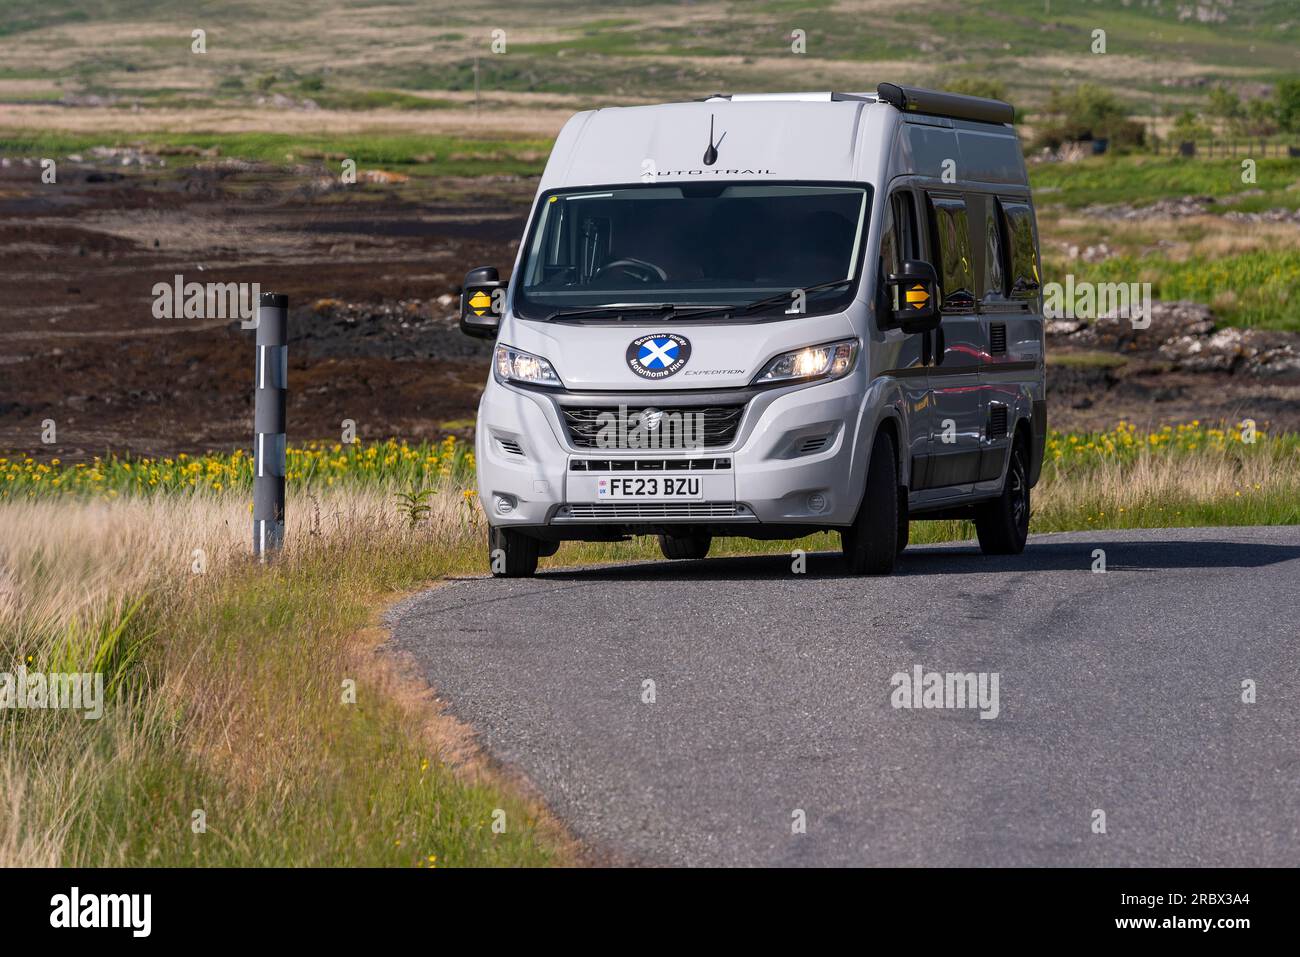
950,230
898,233
995,261
887,294
889,258
1024,277
909,246
898,242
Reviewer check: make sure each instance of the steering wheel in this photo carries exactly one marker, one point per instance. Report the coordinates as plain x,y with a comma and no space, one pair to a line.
637,269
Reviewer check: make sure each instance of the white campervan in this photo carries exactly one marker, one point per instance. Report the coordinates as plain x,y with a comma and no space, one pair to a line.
764,316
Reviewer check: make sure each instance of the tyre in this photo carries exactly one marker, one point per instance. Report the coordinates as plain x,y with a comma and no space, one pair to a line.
685,546
1003,523
870,544
512,554
904,524
546,549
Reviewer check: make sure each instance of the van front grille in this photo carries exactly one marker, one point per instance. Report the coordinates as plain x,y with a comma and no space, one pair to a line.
648,465
651,510
593,427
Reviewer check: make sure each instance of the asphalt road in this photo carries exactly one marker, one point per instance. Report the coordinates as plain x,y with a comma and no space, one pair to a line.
1119,692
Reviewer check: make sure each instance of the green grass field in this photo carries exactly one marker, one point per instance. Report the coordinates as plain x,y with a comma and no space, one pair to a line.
1249,273
1139,180
430,155
1260,289
360,53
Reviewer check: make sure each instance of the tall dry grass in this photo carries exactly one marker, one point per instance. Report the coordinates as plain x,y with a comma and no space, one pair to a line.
1219,481
227,691
225,682
67,561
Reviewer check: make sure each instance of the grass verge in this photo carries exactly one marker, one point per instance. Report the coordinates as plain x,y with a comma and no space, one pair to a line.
228,694
227,678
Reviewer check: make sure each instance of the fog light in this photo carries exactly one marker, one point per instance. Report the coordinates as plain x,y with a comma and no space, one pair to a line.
505,504
816,502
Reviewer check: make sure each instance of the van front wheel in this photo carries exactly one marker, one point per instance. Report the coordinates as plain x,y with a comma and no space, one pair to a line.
512,554
870,544
1003,524
904,521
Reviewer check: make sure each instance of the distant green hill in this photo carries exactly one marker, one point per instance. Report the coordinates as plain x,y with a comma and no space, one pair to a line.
1160,54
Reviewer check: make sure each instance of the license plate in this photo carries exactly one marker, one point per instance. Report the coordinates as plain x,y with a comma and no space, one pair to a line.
651,488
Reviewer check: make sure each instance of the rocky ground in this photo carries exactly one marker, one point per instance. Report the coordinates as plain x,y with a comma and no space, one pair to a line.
1181,366
1184,206
372,275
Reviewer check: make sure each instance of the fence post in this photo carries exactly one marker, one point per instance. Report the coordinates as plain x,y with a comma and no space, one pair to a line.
270,389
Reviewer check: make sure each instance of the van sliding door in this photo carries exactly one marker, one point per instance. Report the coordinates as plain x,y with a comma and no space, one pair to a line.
1013,323
957,422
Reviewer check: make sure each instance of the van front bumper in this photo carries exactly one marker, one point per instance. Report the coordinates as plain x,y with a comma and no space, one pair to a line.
792,461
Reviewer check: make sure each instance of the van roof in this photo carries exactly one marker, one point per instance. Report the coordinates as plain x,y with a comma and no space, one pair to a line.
827,136
909,99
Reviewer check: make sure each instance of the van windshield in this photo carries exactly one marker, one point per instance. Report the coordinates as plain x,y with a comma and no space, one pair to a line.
694,244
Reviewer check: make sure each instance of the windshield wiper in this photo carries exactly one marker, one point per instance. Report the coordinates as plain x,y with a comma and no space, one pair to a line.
663,310
778,299
672,310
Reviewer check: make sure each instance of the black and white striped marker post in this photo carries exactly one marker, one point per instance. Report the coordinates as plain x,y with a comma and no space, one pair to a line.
270,389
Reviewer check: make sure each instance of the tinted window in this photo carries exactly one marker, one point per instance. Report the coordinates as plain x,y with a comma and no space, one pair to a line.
1024,277
951,227
995,263
691,244
898,242
905,218
890,260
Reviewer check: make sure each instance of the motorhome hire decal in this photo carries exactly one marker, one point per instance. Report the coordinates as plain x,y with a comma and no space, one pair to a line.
658,355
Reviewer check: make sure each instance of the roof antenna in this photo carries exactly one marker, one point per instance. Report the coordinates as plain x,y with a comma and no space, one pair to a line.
711,154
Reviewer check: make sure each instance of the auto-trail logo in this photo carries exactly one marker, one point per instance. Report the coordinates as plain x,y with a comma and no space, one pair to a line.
658,355
711,154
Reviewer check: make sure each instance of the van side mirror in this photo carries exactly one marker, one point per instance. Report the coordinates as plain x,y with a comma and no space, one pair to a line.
482,302
916,296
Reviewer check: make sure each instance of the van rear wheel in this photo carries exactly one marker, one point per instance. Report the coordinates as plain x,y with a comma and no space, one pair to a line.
870,544
1003,524
685,546
512,554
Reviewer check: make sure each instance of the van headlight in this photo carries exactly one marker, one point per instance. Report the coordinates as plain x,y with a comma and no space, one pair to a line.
829,361
515,365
